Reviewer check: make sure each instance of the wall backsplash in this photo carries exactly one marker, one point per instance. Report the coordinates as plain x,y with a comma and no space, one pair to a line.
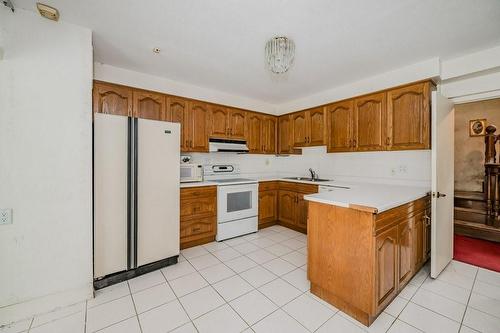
399,167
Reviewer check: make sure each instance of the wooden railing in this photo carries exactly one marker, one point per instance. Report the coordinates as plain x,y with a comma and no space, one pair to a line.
492,177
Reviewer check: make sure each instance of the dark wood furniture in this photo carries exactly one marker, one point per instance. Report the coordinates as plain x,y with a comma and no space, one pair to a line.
359,260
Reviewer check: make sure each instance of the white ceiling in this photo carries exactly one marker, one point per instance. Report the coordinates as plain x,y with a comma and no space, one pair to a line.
219,44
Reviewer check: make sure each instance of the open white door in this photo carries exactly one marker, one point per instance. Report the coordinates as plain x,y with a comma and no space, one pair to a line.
443,140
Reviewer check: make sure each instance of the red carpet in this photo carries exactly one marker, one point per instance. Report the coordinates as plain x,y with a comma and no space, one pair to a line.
477,252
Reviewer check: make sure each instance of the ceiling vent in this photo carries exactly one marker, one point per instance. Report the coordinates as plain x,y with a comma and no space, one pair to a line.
48,12
8,3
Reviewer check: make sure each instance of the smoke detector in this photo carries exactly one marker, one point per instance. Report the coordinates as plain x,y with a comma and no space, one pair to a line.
48,12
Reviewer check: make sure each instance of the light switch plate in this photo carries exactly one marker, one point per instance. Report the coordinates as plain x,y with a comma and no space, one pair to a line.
5,216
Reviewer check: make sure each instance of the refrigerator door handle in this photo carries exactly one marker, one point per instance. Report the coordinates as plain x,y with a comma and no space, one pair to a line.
132,194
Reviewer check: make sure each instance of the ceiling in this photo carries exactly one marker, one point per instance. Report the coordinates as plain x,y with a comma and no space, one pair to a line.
219,44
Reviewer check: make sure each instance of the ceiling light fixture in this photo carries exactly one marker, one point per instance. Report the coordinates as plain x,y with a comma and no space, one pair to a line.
280,52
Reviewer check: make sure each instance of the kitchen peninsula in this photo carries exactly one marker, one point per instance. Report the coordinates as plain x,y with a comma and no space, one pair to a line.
365,244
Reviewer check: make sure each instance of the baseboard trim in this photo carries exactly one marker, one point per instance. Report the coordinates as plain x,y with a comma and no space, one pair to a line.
27,309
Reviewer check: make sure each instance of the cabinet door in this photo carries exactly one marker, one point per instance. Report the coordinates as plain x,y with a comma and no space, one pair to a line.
268,206
418,240
177,111
316,128
408,117
370,122
219,121
112,99
300,132
237,119
284,135
302,211
386,256
149,105
287,202
269,134
254,133
405,250
198,133
427,234
339,123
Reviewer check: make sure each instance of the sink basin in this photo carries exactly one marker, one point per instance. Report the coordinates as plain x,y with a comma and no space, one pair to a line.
308,179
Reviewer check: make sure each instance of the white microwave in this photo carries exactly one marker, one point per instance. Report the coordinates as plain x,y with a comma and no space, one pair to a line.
191,173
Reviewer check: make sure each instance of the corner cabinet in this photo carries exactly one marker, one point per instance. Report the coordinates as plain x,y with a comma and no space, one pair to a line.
408,117
112,99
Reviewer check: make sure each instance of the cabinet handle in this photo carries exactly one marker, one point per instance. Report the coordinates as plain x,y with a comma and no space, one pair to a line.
388,141
354,143
350,143
196,229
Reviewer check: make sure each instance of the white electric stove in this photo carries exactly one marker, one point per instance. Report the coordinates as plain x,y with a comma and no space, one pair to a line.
237,201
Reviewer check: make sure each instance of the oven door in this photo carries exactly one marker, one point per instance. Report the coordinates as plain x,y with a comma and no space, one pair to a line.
235,202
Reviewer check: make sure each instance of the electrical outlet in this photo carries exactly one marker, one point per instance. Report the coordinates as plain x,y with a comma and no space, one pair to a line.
403,169
6,216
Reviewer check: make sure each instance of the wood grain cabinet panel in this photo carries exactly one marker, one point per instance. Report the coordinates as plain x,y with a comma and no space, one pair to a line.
408,117
301,209
418,240
405,251
427,234
269,134
287,202
237,120
149,105
198,215
285,135
112,99
370,116
219,121
254,133
340,126
300,129
197,128
316,127
268,206
386,266
177,112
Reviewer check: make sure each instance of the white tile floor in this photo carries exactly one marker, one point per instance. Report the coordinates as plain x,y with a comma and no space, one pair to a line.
257,283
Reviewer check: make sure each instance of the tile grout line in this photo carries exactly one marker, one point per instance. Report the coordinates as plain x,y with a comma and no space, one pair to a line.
133,302
85,318
468,299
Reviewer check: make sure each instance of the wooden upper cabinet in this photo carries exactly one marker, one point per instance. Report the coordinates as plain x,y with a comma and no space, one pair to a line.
284,135
149,105
269,134
177,112
316,127
219,121
112,99
197,128
237,119
300,129
386,266
339,120
408,117
254,133
370,116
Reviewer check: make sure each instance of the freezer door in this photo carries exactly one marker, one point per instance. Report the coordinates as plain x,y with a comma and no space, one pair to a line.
110,194
158,203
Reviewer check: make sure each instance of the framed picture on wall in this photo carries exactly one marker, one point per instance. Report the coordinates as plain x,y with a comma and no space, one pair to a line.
477,127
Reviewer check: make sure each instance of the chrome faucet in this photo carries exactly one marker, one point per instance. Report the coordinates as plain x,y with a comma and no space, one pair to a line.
313,174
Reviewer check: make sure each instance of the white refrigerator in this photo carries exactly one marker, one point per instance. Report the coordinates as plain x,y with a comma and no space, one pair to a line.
136,194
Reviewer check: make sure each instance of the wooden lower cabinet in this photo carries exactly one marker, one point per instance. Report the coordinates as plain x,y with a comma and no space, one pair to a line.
292,206
268,204
198,215
371,255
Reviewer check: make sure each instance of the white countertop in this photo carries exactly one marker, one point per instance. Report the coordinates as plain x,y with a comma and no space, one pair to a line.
380,197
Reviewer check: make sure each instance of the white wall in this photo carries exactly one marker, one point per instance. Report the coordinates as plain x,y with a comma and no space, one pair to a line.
45,164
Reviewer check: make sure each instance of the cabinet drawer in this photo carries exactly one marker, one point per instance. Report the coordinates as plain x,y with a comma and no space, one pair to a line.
298,187
198,192
199,207
267,186
199,227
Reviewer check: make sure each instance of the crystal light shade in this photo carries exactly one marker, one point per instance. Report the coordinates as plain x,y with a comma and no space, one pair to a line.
280,52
